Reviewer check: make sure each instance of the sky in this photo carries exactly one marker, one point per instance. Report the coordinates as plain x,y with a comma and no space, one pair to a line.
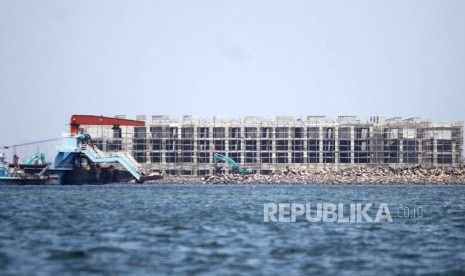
230,58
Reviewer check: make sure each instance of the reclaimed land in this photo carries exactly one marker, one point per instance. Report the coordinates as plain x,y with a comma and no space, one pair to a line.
370,175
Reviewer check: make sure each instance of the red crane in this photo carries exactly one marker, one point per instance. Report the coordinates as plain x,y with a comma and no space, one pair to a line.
77,120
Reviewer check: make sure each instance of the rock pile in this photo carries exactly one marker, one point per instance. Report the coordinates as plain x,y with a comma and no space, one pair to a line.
368,175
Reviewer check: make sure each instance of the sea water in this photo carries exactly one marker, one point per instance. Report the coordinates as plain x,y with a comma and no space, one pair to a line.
122,229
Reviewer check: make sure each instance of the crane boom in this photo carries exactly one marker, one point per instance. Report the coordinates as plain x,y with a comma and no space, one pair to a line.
31,143
77,120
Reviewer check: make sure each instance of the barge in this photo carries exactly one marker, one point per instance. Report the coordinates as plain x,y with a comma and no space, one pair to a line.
11,174
79,161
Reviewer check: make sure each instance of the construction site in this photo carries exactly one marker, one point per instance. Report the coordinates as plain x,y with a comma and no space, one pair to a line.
196,146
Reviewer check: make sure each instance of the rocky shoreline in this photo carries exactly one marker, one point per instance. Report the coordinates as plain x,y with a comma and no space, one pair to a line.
369,175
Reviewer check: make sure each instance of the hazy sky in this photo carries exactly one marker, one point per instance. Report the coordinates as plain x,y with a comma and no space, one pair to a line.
237,58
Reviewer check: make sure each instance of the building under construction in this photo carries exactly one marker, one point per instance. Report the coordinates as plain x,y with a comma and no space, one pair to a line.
187,146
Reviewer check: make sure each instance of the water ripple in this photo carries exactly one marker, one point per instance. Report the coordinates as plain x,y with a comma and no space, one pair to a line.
219,230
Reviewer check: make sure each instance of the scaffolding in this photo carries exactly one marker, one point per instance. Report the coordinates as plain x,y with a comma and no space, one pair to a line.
186,147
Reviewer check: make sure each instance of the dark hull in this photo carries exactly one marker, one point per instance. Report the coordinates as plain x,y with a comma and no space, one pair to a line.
79,176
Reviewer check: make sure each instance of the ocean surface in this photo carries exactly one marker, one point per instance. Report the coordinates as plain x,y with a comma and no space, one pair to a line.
220,230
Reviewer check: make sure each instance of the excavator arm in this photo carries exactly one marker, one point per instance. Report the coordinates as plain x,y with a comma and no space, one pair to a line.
235,167
219,157
77,120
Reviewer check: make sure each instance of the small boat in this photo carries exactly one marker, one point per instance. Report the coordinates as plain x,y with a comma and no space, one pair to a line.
14,175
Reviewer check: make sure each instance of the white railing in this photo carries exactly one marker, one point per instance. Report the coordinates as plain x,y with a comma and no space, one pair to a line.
122,155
